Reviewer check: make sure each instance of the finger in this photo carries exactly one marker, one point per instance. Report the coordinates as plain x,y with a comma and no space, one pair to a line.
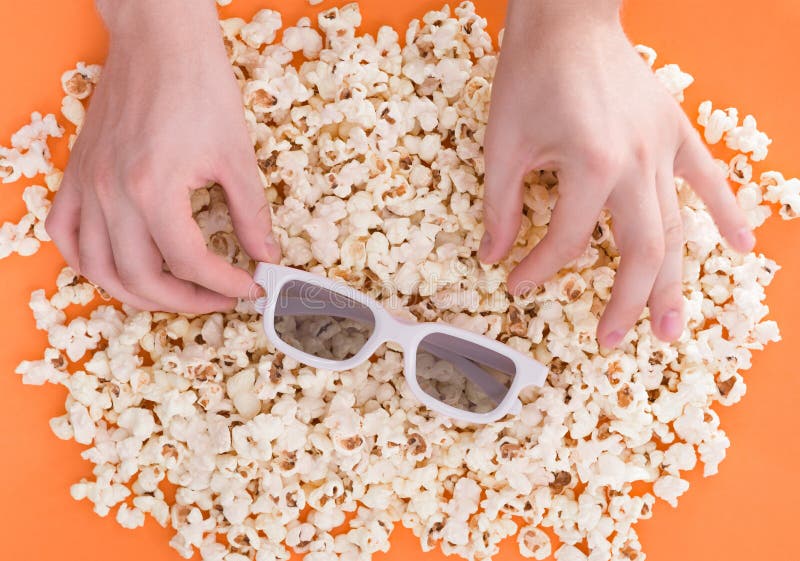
139,266
184,249
666,299
639,236
97,258
573,219
63,222
694,163
249,208
502,200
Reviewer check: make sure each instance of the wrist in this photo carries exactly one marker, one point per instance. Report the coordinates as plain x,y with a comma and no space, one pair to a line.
133,21
561,15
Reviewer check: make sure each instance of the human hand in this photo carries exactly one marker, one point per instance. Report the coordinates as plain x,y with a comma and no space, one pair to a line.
571,94
166,118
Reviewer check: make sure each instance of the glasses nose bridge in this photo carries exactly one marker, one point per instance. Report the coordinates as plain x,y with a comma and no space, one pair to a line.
399,330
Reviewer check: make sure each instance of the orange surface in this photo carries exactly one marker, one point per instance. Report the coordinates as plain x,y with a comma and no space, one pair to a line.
742,53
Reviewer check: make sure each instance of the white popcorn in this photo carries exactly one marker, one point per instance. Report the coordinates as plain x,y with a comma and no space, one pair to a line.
62,428
674,79
262,29
670,488
534,543
783,191
648,54
717,123
78,82
29,154
749,198
82,425
139,422
569,553
130,517
241,390
303,39
371,154
748,139
51,369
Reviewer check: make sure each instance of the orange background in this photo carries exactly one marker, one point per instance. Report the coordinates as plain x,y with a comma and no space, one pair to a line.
742,53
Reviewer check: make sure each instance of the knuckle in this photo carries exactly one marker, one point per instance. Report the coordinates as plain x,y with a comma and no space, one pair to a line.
669,294
101,178
572,249
183,268
602,161
134,283
139,180
641,153
93,271
673,232
54,226
650,251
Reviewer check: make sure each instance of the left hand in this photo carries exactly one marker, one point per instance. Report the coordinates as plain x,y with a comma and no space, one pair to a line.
572,94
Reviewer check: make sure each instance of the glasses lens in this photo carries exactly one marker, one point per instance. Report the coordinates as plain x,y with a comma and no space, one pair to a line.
463,374
321,322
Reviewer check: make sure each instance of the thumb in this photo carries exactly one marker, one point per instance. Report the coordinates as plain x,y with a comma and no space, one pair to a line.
250,210
502,204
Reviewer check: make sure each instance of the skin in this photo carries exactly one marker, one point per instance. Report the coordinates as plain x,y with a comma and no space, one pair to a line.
593,111
166,118
570,94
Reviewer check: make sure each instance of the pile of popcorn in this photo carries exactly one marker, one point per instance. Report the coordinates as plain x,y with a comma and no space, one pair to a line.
371,154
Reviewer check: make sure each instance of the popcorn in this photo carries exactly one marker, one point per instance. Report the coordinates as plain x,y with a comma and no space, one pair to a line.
29,155
782,191
130,518
78,82
534,543
670,488
303,39
717,123
262,29
372,156
648,54
748,139
674,79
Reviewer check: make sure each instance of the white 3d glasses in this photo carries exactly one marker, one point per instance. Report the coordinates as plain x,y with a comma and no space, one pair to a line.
325,324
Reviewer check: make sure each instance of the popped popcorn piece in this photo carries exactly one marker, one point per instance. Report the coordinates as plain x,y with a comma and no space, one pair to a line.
130,518
670,488
29,155
674,79
785,192
717,123
748,139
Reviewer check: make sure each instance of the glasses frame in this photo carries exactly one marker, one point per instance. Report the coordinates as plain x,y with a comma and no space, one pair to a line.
407,334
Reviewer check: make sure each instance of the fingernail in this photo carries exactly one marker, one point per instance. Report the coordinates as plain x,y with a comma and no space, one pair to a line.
671,324
745,239
485,247
613,339
524,288
256,291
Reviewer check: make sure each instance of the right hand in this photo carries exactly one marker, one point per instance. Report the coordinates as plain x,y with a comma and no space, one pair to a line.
166,118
